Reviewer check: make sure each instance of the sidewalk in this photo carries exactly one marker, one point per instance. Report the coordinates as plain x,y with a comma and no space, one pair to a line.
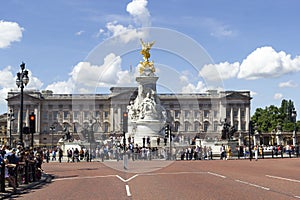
46,178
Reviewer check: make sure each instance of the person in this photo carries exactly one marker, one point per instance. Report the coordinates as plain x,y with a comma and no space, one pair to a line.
76,155
13,159
222,151
87,155
60,154
53,154
81,154
3,151
38,160
256,152
10,178
297,150
47,155
69,154
229,153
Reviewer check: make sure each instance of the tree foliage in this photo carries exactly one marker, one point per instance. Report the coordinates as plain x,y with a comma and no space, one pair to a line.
269,118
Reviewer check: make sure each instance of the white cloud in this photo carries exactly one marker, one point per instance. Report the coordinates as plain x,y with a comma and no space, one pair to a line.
88,77
9,32
8,83
138,10
252,93
100,32
278,96
265,62
219,71
217,28
62,87
125,34
79,33
7,79
191,88
92,75
124,78
290,84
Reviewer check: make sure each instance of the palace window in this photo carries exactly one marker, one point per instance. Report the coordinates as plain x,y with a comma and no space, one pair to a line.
105,127
177,114
76,115
177,126
105,114
216,124
196,114
186,126
186,114
206,124
86,114
196,126
55,115
66,114
206,113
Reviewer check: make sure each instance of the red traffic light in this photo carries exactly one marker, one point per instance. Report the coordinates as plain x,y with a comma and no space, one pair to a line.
32,123
32,117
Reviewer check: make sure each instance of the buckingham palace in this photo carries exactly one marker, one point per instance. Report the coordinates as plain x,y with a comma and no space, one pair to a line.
190,115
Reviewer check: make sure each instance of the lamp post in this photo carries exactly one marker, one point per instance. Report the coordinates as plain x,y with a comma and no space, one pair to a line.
250,134
52,129
294,117
21,81
11,118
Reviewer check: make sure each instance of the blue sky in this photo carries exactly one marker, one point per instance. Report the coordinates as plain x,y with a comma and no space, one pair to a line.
252,45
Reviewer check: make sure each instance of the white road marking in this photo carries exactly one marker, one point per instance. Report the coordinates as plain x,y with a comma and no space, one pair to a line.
170,173
126,179
80,177
127,190
216,174
251,184
297,197
282,178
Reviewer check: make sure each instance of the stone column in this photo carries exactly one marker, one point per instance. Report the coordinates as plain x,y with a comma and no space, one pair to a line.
239,119
231,116
247,117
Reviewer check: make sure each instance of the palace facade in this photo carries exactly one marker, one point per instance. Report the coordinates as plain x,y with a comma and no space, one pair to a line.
190,115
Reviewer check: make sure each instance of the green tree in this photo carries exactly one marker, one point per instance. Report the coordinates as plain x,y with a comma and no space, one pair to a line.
269,118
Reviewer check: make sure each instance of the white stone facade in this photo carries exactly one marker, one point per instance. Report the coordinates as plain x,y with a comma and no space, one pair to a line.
189,114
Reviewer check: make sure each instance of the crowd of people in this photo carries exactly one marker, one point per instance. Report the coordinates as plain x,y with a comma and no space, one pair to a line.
10,158
261,151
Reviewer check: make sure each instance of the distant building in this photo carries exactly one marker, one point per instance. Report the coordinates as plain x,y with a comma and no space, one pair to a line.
191,115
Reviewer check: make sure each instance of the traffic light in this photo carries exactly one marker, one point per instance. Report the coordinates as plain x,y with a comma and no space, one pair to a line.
32,123
167,129
125,122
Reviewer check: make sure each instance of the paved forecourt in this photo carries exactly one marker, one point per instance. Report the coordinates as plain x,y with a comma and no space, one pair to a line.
156,179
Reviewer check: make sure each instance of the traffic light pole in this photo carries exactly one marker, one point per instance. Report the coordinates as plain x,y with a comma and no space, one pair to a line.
125,129
250,133
170,146
32,127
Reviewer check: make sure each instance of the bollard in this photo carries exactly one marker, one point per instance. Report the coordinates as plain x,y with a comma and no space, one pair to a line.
2,177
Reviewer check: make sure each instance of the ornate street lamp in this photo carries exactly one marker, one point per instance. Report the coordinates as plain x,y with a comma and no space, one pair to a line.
52,129
11,118
21,81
